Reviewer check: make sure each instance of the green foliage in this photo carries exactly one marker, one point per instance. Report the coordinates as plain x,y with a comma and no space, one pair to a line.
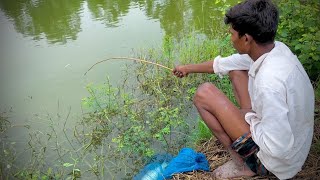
203,133
299,29
36,174
155,114
4,122
317,91
74,173
316,147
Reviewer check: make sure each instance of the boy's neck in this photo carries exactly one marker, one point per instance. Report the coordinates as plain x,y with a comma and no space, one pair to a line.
258,50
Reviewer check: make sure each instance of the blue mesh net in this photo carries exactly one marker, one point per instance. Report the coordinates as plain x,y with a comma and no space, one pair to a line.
163,166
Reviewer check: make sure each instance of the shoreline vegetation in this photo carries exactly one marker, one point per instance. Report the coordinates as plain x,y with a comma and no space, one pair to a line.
151,111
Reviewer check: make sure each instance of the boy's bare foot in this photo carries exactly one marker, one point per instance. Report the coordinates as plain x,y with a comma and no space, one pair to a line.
231,170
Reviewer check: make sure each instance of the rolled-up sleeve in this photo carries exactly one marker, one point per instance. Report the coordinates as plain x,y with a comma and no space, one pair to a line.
223,65
269,126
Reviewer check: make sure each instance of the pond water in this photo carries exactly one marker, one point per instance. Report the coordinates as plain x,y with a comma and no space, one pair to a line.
47,46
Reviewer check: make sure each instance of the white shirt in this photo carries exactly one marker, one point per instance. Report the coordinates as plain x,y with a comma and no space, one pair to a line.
282,99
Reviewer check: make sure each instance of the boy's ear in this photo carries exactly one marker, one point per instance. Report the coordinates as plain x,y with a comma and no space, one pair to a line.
248,38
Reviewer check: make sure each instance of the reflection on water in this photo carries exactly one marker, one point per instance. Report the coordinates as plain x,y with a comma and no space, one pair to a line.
109,11
59,20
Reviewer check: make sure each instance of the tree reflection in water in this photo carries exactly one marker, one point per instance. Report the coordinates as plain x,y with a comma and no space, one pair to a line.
60,20
57,20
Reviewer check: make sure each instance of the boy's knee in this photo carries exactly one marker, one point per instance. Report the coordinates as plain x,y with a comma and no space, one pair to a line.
203,92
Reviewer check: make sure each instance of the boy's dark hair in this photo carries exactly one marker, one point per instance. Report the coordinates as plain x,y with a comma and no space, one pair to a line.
258,18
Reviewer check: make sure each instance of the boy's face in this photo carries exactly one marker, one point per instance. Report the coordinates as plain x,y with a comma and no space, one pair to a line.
239,43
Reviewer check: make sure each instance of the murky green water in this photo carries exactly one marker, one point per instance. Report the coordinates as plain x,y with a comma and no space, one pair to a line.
47,45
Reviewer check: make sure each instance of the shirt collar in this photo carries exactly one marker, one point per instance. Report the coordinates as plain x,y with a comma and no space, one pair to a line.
256,65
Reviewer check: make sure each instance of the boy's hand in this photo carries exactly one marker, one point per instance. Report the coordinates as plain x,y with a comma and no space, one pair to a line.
180,71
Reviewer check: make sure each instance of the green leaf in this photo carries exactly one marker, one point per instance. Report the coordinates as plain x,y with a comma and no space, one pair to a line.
67,164
297,47
284,34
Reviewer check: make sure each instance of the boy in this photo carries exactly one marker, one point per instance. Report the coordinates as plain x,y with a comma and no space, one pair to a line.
272,131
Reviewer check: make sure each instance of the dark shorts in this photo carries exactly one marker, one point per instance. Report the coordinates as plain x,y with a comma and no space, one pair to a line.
248,150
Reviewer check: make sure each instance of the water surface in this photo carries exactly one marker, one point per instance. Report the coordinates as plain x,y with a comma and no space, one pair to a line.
47,46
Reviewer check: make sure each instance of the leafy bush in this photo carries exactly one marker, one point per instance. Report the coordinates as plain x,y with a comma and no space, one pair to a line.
299,28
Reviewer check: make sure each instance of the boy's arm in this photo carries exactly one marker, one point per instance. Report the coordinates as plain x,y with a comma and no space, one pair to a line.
184,70
220,65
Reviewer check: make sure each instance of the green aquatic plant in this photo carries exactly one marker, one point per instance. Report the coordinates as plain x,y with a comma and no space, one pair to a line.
4,122
151,112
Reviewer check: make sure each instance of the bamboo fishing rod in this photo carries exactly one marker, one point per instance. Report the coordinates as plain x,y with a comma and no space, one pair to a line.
132,59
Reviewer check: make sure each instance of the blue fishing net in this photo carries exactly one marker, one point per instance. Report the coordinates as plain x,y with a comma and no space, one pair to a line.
163,167
155,168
